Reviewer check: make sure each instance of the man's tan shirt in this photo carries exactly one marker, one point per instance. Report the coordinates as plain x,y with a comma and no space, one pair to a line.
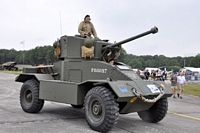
86,27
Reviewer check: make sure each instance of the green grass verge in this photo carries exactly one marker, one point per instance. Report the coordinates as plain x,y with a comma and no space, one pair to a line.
193,89
11,72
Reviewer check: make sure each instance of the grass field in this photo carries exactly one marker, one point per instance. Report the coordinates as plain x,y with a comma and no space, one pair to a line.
193,89
11,72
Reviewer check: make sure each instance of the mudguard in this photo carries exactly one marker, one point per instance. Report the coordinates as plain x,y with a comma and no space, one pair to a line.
26,76
134,96
124,89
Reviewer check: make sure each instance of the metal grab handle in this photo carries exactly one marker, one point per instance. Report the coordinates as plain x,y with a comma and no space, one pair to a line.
139,95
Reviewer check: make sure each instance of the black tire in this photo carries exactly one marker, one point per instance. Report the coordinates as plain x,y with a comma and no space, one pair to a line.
156,113
101,110
29,97
77,106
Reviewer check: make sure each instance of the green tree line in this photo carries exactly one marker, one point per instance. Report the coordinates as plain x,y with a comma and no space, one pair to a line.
38,55
45,55
156,61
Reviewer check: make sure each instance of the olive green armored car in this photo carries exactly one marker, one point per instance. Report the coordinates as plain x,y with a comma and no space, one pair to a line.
84,78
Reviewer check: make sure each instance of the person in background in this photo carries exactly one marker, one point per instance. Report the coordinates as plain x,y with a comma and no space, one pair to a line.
138,72
146,74
186,76
86,28
174,84
163,75
153,75
181,81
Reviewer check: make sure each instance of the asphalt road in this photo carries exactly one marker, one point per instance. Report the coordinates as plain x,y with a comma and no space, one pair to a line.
183,116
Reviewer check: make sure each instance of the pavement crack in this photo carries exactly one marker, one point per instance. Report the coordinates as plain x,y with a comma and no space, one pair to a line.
21,122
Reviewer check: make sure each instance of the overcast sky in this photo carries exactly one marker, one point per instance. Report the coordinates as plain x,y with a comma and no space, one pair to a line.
38,23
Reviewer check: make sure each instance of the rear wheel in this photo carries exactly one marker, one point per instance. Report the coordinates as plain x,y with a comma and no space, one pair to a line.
156,113
101,110
29,97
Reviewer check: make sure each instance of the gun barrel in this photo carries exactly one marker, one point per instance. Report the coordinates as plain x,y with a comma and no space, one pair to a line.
153,31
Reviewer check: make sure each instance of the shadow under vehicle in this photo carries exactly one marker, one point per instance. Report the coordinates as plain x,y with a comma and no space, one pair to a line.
83,78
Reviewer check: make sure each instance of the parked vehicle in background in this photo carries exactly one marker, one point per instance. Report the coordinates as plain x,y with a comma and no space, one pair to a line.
11,65
141,73
191,73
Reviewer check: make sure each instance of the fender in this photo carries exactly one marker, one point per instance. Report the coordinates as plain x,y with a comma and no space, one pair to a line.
26,76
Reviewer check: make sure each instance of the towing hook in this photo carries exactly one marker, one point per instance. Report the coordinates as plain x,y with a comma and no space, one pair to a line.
155,99
136,93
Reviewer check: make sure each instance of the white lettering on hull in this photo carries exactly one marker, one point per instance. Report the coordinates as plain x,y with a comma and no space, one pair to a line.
98,70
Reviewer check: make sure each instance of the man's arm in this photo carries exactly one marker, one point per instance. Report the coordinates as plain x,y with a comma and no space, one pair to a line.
185,81
80,29
94,31
171,79
178,80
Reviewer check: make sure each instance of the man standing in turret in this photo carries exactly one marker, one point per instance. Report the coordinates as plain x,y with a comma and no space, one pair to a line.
86,28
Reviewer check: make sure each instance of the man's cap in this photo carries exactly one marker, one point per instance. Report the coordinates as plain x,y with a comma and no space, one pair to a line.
87,16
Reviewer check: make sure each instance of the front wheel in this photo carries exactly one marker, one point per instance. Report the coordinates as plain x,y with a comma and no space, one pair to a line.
156,113
29,97
101,110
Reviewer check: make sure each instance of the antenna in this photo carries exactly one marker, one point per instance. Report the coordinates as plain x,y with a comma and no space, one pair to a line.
60,24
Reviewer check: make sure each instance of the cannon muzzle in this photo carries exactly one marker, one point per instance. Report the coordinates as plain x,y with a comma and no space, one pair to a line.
153,31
